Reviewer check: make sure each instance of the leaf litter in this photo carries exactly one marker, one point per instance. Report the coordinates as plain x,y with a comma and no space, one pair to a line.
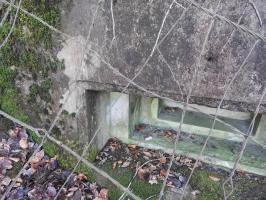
44,177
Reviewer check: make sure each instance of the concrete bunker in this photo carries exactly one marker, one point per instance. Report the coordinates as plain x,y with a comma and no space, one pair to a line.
143,120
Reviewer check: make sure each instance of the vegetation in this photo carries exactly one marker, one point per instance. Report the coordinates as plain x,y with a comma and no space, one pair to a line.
27,49
41,90
124,175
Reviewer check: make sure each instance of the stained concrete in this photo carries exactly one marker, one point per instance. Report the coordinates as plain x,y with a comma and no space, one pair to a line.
137,24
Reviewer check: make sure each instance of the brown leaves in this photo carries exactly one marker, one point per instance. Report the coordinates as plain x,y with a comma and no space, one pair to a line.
39,155
81,177
103,195
163,160
114,165
133,146
162,172
5,164
143,174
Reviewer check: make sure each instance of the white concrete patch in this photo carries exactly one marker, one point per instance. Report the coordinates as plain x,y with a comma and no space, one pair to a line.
75,55
119,115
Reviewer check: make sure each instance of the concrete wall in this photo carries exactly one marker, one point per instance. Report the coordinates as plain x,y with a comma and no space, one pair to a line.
137,24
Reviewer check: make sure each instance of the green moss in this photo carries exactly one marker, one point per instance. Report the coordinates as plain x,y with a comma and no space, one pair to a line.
9,94
208,188
27,49
124,175
41,90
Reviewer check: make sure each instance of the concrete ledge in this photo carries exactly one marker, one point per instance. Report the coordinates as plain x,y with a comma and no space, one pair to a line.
206,159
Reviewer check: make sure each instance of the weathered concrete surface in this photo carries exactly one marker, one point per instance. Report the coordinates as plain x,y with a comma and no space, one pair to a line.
137,24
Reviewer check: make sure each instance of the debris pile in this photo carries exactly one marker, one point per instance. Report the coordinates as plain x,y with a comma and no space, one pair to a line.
150,165
43,178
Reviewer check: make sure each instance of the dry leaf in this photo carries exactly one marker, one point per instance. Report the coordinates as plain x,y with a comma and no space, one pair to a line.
114,165
143,174
163,160
34,163
73,189
103,195
133,146
126,164
23,143
81,177
39,155
146,153
6,181
162,172
213,178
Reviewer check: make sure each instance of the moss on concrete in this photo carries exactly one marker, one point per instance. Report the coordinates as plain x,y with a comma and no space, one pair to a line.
29,48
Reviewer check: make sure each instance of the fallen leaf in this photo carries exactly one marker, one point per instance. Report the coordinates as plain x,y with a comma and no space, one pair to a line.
73,189
143,174
39,155
120,162
162,172
163,160
6,181
213,178
133,146
5,164
29,172
34,163
81,177
103,195
146,153
23,143
114,165
126,164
